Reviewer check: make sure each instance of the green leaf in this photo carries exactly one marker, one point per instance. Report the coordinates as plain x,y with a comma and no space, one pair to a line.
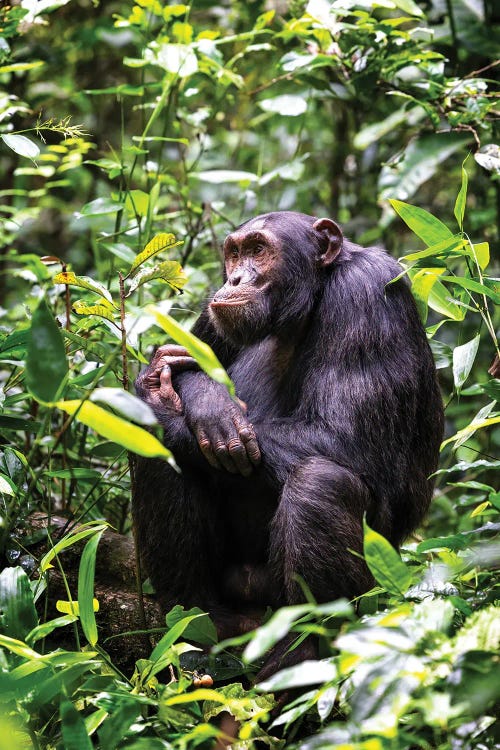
115,428
74,732
42,631
474,286
21,145
100,207
46,364
7,486
101,311
385,563
421,286
288,105
17,610
481,254
84,282
18,647
440,250
460,202
159,243
86,575
197,348
441,301
463,359
202,630
479,422
426,226
273,631
67,541
170,271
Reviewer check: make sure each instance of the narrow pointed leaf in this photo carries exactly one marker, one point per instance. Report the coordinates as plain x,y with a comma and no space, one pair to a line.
86,575
202,353
461,200
426,226
74,732
17,610
68,541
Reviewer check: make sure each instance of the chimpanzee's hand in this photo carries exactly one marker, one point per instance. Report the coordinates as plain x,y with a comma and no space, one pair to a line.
225,436
154,384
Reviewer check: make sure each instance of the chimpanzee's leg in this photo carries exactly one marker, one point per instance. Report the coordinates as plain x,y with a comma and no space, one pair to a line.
318,521
178,534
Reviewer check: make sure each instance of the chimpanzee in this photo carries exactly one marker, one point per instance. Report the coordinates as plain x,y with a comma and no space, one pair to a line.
338,415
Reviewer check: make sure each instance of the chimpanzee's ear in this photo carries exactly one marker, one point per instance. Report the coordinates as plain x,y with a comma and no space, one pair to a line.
331,240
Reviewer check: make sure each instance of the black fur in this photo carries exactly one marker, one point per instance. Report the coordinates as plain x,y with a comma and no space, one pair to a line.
341,390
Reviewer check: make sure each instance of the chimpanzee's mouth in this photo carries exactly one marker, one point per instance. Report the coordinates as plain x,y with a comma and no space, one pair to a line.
228,302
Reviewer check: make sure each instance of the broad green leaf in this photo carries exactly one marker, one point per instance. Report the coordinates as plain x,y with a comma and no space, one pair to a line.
100,207
197,348
385,563
289,105
67,541
73,729
74,473
463,359
179,59
86,575
220,176
426,226
409,7
115,428
17,609
371,133
116,726
46,364
273,631
481,253
421,285
460,202
170,271
159,243
126,404
84,282
101,311
137,203
201,630
441,300
21,145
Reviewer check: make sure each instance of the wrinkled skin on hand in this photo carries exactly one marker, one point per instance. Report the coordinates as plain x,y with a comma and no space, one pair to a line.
225,437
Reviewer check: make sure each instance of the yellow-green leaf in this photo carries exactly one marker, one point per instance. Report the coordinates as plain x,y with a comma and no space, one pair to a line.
169,271
161,242
86,574
100,310
73,608
115,428
84,282
202,353
68,541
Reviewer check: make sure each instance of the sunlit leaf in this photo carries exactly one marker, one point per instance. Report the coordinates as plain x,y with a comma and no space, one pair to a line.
426,226
480,421
46,364
68,541
170,271
115,428
101,311
86,575
100,207
159,243
461,200
84,282
220,176
197,348
289,105
385,563
463,359
273,631
21,145
126,404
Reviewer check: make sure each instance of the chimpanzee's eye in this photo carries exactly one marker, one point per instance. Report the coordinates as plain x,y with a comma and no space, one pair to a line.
258,249
233,251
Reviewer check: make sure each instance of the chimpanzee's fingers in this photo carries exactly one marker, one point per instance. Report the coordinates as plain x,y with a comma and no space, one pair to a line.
167,390
170,350
247,436
222,454
239,456
177,364
206,448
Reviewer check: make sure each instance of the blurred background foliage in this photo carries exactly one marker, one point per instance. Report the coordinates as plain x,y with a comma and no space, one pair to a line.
138,132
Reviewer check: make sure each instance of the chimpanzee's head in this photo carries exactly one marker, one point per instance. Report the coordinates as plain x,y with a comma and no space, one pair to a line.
274,267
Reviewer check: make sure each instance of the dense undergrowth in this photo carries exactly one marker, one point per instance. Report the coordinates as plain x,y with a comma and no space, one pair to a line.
195,117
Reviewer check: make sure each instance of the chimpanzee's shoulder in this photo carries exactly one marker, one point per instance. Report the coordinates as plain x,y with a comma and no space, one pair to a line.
374,263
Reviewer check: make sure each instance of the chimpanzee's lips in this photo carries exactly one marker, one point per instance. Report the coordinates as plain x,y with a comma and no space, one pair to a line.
228,302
